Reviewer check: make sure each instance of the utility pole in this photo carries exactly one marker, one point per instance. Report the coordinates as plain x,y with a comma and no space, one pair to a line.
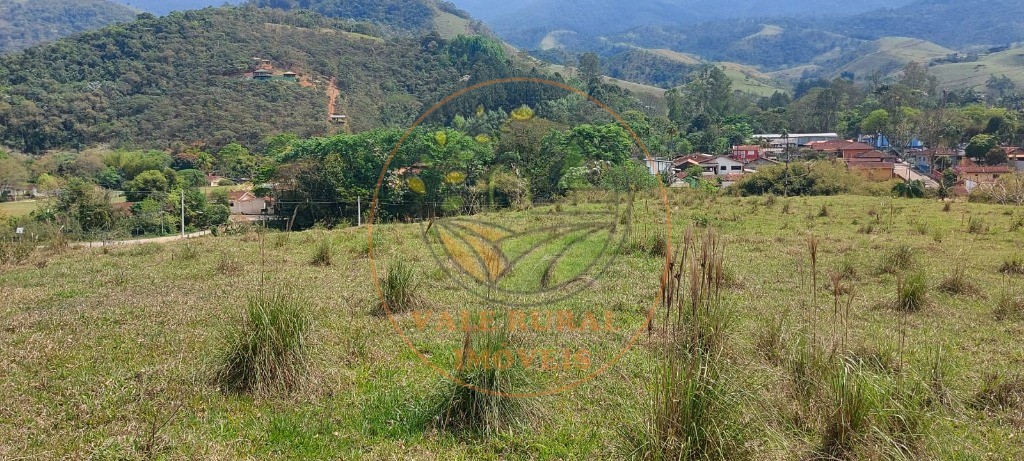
359,211
183,213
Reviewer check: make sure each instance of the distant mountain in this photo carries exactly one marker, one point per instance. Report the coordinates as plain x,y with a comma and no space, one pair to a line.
24,23
950,23
162,7
527,23
188,78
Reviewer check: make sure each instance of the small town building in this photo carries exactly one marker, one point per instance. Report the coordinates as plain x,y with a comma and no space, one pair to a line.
758,163
290,76
974,175
245,203
872,170
722,166
262,74
213,180
1015,157
747,153
842,149
658,165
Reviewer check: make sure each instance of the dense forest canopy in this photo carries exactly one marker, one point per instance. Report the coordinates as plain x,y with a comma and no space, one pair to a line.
181,79
24,23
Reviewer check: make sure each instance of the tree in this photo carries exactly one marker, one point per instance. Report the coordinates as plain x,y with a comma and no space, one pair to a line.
980,146
146,183
877,121
82,206
590,70
235,161
12,173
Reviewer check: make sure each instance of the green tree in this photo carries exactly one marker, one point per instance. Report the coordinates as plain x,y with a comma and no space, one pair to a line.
145,184
980,146
877,121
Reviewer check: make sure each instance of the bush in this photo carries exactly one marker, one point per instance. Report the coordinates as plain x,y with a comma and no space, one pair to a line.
816,178
16,252
268,350
226,182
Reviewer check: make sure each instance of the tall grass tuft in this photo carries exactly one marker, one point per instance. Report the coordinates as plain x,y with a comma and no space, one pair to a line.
324,254
851,401
957,283
1009,306
691,415
976,225
483,401
1014,265
398,290
267,351
912,293
898,259
999,393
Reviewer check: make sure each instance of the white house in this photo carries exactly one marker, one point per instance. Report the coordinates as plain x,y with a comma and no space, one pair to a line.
722,166
658,165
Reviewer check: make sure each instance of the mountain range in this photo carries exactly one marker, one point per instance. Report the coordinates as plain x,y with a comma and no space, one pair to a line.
24,23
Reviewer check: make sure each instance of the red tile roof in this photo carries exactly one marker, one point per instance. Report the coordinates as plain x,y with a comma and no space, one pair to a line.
975,169
833,146
870,164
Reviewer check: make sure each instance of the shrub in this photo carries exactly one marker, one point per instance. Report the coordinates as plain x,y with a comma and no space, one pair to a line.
323,256
1017,224
976,225
1013,266
912,293
957,283
268,350
898,259
398,289
226,182
481,400
16,252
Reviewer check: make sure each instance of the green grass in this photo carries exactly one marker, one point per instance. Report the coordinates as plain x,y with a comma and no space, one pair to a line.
19,208
97,345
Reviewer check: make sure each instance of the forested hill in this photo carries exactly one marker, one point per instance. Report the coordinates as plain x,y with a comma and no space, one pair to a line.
187,78
409,16
24,23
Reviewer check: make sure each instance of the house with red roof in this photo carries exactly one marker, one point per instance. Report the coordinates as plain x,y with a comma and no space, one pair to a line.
974,175
746,153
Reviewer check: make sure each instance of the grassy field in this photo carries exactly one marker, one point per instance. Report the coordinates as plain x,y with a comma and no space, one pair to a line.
19,208
111,354
975,74
891,55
